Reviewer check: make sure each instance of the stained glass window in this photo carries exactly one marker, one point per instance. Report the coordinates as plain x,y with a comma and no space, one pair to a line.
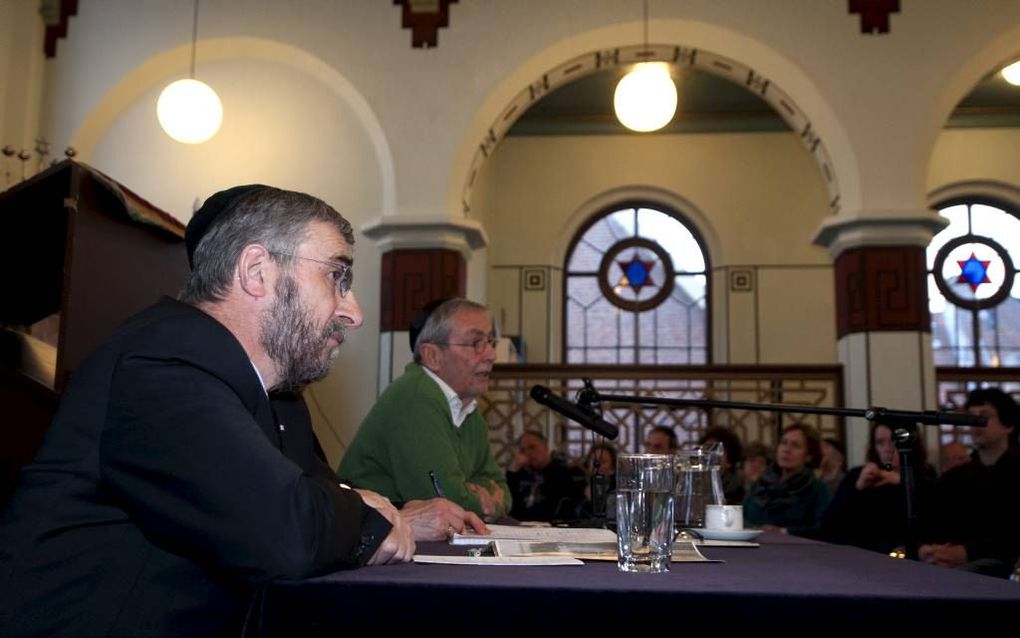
973,288
636,290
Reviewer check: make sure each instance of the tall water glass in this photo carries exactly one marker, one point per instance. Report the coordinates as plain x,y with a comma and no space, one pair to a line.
645,485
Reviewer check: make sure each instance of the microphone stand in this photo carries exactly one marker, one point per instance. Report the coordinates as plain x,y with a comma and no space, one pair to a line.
598,484
903,422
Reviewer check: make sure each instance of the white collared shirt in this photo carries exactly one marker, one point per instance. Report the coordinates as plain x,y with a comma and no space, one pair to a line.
458,411
259,375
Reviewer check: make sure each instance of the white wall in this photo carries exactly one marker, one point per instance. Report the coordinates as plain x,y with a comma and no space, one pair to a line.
760,194
21,80
975,154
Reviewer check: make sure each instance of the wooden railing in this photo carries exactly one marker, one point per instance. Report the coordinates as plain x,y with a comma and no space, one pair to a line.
510,411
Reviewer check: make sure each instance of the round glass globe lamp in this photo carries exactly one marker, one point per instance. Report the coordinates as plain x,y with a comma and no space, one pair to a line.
645,99
1012,73
189,111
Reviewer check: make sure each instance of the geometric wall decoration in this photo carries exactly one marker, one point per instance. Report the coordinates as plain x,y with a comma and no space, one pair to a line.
741,280
424,17
874,14
534,278
412,278
679,57
881,288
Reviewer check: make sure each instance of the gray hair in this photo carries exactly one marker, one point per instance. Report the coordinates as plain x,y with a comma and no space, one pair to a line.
439,325
275,218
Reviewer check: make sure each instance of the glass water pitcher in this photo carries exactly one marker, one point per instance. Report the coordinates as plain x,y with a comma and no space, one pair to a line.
698,484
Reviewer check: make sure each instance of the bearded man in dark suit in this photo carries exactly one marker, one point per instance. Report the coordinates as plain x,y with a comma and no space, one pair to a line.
167,491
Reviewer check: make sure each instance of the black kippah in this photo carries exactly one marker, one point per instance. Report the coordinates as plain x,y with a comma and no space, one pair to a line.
420,317
214,207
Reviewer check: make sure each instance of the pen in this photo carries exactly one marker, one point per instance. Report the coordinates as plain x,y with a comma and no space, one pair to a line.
435,484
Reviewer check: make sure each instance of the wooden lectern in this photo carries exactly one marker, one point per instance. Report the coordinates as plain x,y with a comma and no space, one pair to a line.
82,254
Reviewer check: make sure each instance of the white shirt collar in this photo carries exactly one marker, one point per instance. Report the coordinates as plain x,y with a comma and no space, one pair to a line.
458,410
259,375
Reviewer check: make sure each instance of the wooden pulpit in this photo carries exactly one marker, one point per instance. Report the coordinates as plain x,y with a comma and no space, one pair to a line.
81,253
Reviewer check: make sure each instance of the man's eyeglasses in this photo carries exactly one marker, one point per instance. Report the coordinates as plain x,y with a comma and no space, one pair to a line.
477,344
342,273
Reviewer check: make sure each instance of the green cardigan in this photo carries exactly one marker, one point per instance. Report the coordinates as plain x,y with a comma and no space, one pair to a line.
409,433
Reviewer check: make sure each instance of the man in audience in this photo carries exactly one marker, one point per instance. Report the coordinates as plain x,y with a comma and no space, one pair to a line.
661,440
976,522
542,486
425,436
167,491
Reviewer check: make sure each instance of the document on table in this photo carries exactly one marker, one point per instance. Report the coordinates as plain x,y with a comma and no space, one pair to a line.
562,535
536,534
683,551
497,560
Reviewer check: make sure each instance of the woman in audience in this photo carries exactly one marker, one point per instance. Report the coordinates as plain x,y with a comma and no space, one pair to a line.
729,470
788,497
869,508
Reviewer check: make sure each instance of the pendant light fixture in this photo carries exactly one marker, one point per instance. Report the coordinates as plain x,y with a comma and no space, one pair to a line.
645,99
188,110
1012,74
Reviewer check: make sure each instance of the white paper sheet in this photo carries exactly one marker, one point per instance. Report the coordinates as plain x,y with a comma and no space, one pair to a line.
496,560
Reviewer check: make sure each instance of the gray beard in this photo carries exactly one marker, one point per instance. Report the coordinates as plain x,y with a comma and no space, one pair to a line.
291,340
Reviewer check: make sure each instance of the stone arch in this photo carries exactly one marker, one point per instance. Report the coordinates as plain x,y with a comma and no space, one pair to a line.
775,79
998,51
160,67
604,200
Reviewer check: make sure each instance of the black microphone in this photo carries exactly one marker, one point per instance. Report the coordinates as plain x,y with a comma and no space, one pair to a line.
927,417
590,420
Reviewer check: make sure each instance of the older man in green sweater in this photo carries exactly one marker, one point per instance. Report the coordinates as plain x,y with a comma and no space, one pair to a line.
425,436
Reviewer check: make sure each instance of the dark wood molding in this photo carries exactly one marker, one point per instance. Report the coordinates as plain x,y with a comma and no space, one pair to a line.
412,278
56,18
874,14
881,288
424,24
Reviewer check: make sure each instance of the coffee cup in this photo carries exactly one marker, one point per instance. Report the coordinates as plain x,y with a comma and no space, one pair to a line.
724,517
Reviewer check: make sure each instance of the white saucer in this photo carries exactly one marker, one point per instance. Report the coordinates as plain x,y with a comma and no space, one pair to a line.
728,534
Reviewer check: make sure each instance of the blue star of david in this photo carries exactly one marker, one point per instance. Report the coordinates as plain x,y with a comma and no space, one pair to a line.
636,273
973,272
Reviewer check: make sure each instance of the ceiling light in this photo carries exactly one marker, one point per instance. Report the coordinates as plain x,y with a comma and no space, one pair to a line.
189,110
1012,73
645,99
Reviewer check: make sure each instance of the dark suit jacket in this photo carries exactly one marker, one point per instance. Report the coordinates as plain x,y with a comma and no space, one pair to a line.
166,492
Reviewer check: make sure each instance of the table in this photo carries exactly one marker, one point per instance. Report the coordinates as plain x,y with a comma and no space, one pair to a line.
788,584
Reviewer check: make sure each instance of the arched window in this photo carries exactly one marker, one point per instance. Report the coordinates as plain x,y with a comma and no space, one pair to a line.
973,288
636,290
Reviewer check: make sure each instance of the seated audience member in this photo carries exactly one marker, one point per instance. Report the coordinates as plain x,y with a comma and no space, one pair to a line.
954,454
541,484
166,493
976,522
833,466
869,508
661,440
787,497
729,470
757,457
425,435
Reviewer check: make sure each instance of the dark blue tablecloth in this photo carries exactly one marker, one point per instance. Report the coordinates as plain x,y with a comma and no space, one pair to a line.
788,584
